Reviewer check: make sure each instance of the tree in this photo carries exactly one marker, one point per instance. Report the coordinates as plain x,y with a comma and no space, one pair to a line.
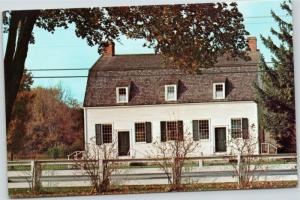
173,30
20,116
190,36
90,24
276,96
48,128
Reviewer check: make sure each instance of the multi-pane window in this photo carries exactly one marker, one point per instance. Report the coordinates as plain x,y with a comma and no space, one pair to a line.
219,90
172,130
170,93
203,129
107,133
140,132
236,128
200,130
122,94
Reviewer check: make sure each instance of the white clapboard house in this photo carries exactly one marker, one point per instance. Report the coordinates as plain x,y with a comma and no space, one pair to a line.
137,100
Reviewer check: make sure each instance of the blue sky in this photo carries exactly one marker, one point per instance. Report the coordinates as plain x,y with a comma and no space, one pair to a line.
64,50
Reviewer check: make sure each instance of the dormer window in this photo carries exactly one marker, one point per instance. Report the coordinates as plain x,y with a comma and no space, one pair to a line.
122,94
171,92
219,90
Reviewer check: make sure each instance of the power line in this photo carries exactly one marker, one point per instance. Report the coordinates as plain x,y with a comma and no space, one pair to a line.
265,16
259,23
58,77
140,75
59,69
83,69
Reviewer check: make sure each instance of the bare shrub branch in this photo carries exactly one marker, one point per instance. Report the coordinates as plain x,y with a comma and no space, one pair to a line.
172,155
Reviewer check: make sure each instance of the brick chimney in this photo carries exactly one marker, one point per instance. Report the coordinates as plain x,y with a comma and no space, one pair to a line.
109,49
252,43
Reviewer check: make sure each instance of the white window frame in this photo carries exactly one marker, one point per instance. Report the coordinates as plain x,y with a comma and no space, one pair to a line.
117,94
175,91
214,90
140,142
167,138
102,134
241,129
209,129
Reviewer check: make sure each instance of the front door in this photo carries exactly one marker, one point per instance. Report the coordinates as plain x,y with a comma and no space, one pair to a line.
220,139
123,143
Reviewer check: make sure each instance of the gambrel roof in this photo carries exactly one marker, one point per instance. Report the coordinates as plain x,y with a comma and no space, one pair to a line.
146,76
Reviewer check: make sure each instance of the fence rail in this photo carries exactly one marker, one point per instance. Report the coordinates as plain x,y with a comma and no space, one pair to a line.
268,148
76,155
203,168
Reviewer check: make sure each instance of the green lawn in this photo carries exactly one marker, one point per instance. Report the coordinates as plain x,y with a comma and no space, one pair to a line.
44,167
70,167
145,165
269,162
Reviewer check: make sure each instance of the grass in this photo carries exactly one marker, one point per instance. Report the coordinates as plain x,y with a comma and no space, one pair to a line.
147,165
133,189
44,167
72,167
269,162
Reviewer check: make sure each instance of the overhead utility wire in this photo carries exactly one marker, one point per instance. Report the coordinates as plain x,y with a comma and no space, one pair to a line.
133,75
83,69
265,16
58,69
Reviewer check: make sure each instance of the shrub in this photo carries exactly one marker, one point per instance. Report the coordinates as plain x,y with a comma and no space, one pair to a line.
56,152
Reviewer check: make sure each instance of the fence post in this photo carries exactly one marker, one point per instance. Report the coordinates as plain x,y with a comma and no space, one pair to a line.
173,166
239,168
105,175
201,163
101,163
36,171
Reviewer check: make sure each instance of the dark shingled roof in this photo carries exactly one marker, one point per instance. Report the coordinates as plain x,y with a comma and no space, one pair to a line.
146,77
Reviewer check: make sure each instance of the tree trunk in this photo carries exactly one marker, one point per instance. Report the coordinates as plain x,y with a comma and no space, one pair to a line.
20,33
11,155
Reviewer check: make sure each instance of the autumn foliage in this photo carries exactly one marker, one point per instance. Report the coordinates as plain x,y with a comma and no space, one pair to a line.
44,121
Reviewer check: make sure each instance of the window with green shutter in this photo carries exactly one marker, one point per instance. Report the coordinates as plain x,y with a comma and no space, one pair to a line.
240,128
200,130
143,132
103,133
171,130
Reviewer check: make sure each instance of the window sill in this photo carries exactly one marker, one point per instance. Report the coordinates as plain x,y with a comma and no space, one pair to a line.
204,140
170,100
240,138
141,143
219,98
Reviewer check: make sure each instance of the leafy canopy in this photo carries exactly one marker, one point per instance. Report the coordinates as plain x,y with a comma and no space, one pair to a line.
189,36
